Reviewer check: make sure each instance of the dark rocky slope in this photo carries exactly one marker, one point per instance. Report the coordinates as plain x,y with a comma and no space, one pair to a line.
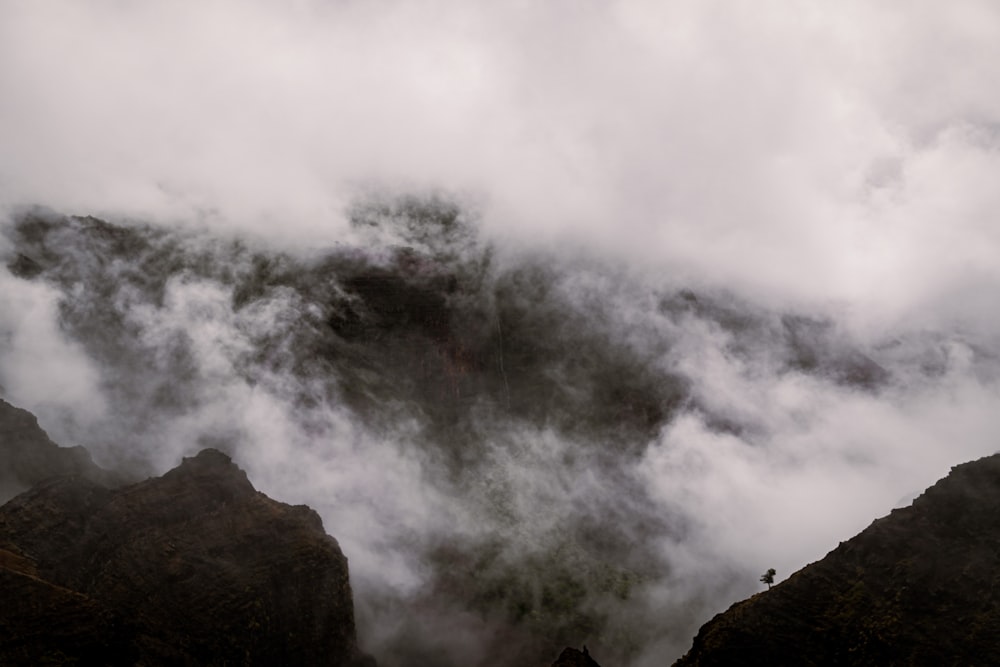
918,587
191,568
570,657
28,456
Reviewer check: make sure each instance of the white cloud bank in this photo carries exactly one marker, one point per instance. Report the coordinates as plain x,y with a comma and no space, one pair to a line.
843,153
841,156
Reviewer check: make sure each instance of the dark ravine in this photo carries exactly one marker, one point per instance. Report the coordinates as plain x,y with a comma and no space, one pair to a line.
920,586
192,568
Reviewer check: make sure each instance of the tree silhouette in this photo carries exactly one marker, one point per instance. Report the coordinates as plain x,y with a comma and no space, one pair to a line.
768,577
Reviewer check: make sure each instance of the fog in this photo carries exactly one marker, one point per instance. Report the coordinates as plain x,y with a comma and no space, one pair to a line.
570,319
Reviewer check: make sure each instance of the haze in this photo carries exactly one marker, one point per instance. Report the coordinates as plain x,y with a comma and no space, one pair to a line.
660,205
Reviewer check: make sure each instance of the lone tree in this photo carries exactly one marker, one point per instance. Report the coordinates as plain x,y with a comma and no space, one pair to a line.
768,577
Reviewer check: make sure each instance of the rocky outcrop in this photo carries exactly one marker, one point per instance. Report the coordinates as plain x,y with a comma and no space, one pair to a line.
570,657
28,456
192,568
918,587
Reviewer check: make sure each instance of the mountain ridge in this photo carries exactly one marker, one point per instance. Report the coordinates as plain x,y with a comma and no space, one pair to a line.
194,567
29,456
918,586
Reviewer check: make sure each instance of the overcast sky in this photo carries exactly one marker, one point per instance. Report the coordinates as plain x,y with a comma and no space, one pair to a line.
840,159
843,152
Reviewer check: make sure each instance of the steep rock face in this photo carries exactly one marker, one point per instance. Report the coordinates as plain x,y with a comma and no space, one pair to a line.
191,568
918,587
27,455
45,624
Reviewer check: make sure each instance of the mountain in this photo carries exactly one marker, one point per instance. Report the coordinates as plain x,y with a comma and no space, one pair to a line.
196,567
192,568
513,379
534,441
920,586
28,456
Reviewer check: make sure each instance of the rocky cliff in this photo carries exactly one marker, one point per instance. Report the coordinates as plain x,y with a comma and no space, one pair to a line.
28,456
918,587
192,568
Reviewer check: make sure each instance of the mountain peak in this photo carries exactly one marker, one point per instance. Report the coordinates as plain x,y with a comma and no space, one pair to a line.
208,477
194,567
209,459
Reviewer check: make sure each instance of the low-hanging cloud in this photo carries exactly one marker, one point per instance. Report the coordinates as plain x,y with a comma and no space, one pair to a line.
568,318
835,153
532,449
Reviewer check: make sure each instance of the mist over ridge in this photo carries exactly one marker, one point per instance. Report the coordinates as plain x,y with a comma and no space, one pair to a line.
569,319
532,448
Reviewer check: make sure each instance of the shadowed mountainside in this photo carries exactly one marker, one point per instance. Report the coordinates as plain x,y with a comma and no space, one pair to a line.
515,381
920,586
28,456
504,380
191,568
424,322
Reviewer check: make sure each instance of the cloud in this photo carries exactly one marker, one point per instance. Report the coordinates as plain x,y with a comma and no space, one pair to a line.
493,433
800,151
34,352
719,280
